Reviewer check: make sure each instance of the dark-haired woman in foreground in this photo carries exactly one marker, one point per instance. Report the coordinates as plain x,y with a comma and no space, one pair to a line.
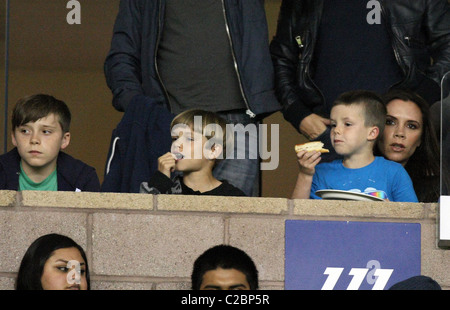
54,262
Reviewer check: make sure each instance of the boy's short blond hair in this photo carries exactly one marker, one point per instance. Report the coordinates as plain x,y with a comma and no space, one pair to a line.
210,119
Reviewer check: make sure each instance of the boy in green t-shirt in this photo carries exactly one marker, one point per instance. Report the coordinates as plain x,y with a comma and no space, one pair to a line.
40,131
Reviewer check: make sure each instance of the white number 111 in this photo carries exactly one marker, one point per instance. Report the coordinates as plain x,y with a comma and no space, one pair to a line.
334,273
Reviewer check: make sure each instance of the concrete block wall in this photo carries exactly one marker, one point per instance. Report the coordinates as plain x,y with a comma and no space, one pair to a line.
138,241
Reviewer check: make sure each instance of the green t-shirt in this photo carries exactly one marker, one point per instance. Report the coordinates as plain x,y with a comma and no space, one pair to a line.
49,184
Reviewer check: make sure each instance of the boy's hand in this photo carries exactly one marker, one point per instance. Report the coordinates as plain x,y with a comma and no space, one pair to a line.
166,164
307,161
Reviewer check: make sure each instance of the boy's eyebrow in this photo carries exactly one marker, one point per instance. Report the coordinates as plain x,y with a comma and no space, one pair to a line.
344,118
43,125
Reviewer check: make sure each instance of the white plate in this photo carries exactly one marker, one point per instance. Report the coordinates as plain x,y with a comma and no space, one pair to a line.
345,195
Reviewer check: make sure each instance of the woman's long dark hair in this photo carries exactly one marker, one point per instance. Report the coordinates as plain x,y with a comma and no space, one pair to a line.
32,265
424,165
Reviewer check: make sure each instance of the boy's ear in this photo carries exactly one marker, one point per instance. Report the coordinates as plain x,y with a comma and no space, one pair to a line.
65,140
13,139
373,133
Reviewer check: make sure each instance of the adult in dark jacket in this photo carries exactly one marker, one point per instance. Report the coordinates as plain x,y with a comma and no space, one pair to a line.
210,55
72,174
324,47
142,135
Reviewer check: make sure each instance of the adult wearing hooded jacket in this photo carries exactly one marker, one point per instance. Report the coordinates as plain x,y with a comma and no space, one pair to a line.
325,47
210,54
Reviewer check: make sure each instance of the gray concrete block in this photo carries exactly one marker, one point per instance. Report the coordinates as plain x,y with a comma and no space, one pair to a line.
20,228
152,245
263,240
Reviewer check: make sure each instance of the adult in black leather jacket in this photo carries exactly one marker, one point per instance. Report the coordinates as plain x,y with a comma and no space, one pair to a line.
418,31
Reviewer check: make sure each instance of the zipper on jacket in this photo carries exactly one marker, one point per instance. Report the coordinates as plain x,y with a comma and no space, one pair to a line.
299,41
300,44
248,111
411,40
158,39
408,39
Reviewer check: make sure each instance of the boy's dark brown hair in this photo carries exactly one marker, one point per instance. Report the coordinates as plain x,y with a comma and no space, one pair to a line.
372,104
32,108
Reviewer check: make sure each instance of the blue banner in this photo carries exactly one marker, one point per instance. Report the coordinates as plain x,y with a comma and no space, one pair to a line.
332,255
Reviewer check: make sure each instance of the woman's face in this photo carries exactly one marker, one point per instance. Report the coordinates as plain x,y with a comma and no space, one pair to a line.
65,269
403,132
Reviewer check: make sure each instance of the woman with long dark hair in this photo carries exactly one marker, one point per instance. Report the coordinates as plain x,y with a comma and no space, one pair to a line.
54,262
409,138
